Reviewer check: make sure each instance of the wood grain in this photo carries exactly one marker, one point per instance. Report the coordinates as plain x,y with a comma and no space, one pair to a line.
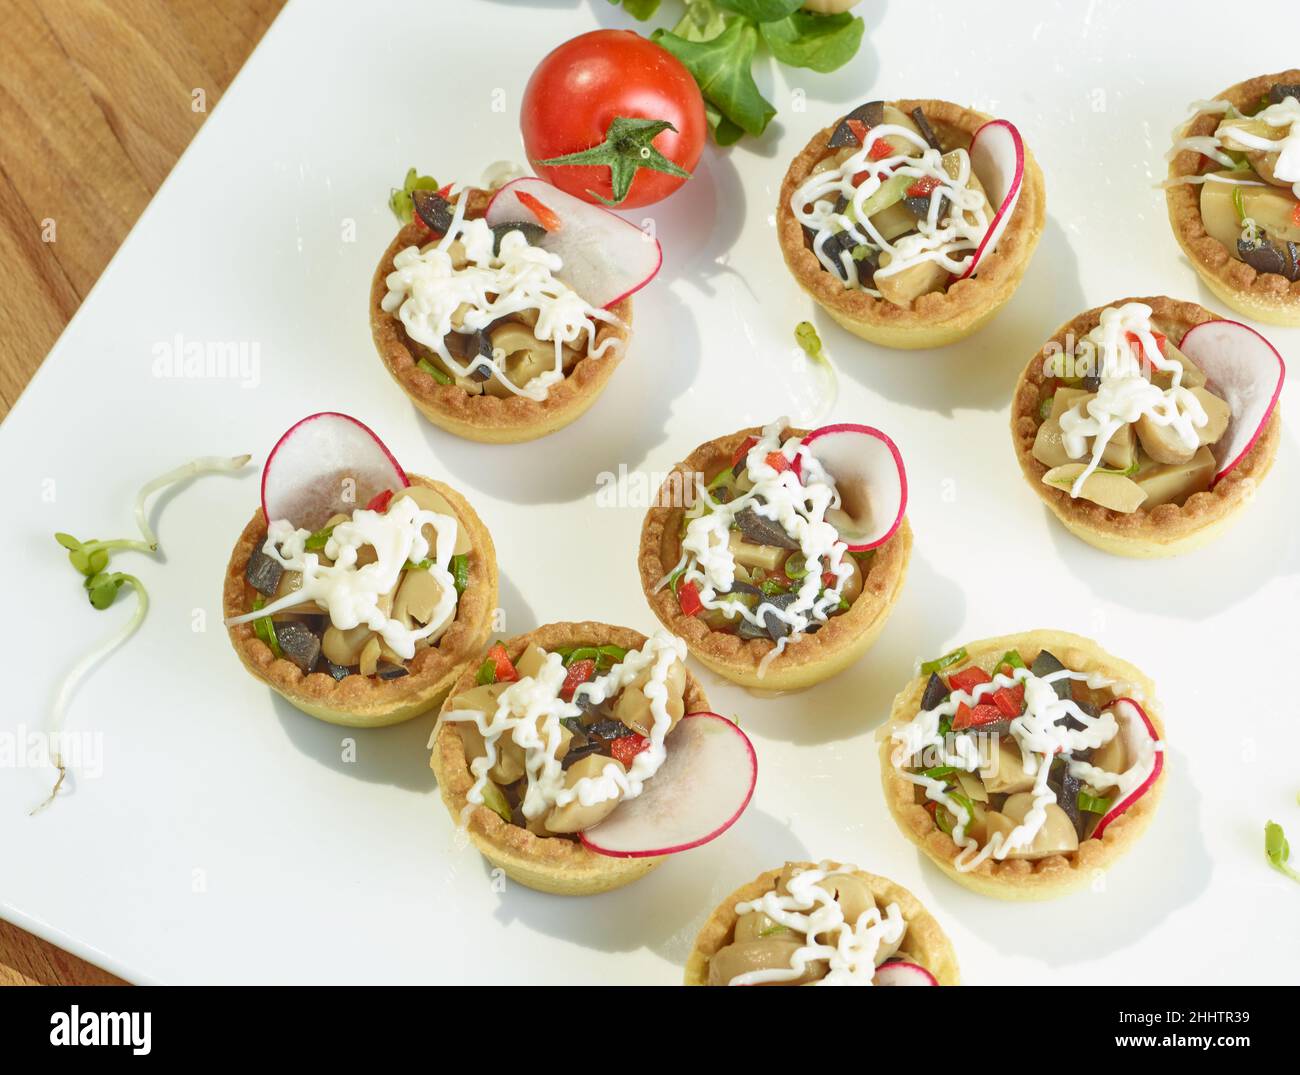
97,101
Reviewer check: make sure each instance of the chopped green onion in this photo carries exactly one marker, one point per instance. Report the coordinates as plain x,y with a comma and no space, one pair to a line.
1045,408
265,629
939,772
773,930
318,540
495,800
1278,850
460,571
417,565
611,655
964,802
864,557
805,335
944,820
796,566
946,661
675,578
582,653
771,587
1011,657
890,191
433,371
487,673
1239,203
1092,804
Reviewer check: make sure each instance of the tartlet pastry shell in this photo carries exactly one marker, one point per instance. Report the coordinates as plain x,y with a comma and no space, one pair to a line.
1018,879
925,939
488,418
840,641
362,701
938,318
1165,530
553,864
1267,297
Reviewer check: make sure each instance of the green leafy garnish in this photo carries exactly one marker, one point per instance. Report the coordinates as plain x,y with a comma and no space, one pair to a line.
433,371
628,147
1279,851
487,673
1092,804
265,629
946,661
399,200
722,67
318,540
820,43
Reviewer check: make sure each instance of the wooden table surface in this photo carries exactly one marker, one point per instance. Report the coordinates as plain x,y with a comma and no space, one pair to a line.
97,100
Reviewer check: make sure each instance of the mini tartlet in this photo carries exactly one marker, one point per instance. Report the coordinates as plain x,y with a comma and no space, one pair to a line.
1135,504
335,655
539,800
898,943
904,165
1233,195
490,334
813,602
954,752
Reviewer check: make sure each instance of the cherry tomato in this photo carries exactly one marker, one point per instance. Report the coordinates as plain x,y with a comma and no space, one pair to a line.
578,90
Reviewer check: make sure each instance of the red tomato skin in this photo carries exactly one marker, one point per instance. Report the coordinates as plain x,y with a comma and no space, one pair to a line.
580,87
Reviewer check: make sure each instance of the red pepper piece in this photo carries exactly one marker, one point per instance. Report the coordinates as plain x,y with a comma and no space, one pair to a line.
880,149
688,598
627,747
1295,215
967,679
545,216
829,579
968,717
778,462
380,501
1010,700
923,187
743,450
579,672
506,671
858,129
1137,344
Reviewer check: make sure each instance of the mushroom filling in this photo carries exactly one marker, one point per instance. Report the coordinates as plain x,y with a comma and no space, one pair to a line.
1130,423
817,926
483,307
557,740
759,558
361,595
1250,179
888,210
1023,763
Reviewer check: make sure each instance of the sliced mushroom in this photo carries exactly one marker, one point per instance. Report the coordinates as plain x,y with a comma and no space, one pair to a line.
1056,837
757,926
520,355
1162,442
431,500
575,817
1217,412
768,953
368,661
1005,771
532,660
633,707
416,601
344,647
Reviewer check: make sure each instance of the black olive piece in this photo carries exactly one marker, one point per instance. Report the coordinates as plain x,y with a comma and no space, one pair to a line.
1265,255
1074,723
607,728
936,692
836,244
1067,786
748,631
777,628
745,587
1090,383
532,233
338,671
590,708
433,209
298,643
1044,665
841,205
391,671
927,132
1282,90
813,628
757,530
869,115
577,753
466,346
919,206
993,730
263,572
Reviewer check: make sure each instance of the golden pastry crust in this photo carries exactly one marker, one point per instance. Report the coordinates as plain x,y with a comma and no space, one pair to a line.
1165,530
925,939
488,418
364,701
941,317
1267,297
1020,879
839,642
552,864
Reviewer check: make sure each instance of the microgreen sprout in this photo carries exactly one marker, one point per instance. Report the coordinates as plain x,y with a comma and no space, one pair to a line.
91,559
1279,851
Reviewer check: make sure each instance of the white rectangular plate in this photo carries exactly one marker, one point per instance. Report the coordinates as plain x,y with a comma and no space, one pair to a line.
230,838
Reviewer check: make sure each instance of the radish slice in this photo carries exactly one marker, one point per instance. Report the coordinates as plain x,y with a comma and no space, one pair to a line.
1142,743
1246,370
698,793
997,157
900,973
606,258
327,464
872,483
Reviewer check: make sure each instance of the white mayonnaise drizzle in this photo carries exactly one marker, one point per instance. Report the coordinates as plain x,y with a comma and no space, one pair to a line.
942,241
852,950
799,508
530,711
1124,394
1041,740
433,298
1284,115
350,594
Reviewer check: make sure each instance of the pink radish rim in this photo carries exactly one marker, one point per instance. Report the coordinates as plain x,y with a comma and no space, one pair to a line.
1156,769
851,427
1272,403
658,853
659,249
1011,194
311,418
914,966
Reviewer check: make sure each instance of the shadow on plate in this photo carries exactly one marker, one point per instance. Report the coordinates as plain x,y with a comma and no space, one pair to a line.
978,373
1166,869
